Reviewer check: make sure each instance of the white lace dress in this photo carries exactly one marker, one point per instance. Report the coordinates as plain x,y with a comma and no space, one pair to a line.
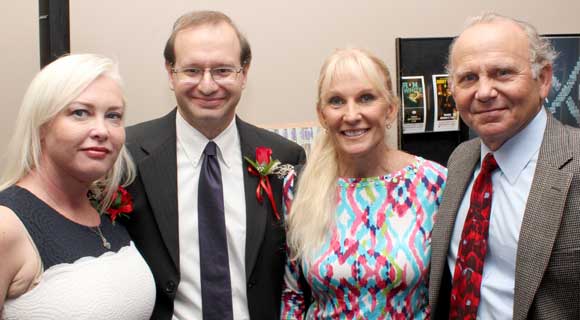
81,279
113,286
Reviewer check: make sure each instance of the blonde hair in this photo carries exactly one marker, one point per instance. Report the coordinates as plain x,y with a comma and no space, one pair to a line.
52,90
313,210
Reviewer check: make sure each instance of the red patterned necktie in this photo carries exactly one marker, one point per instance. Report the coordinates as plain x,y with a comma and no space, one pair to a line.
465,295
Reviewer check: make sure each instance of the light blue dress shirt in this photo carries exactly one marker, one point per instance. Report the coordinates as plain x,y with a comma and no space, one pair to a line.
517,160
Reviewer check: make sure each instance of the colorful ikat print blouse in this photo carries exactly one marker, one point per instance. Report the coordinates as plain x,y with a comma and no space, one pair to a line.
375,264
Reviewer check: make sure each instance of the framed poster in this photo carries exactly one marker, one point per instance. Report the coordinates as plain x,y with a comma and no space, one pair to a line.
426,57
414,104
446,117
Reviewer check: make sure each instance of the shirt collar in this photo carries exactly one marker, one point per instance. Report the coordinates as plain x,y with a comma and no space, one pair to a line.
193,142
513,156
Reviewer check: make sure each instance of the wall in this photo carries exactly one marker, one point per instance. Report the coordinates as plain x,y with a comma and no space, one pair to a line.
290,40
19,59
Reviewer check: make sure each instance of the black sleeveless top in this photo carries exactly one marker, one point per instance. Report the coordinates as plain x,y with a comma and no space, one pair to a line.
58,239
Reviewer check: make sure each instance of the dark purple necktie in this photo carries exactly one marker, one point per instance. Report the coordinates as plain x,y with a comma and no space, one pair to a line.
467,275
216,290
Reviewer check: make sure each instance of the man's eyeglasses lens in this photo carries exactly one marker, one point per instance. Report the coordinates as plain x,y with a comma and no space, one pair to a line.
219,75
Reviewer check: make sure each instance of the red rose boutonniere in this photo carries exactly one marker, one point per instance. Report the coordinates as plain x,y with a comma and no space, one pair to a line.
121,205
262,167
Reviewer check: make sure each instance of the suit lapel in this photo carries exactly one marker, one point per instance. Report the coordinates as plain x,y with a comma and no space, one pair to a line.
458,178
542,216
255,212
159,175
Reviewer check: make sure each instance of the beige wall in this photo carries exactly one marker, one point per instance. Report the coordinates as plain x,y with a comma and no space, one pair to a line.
19,59
290,39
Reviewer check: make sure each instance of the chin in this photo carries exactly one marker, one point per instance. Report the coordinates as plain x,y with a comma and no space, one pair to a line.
355,152
210,114
493,129
92,174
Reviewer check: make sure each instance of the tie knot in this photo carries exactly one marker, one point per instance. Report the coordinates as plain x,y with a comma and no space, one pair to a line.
210,149
489,163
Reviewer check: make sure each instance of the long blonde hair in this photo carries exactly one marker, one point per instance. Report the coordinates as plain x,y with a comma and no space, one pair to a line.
52,90
312,213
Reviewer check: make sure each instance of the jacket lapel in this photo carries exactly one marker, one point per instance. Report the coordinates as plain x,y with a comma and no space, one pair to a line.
158,172
255,212
542,216
458,178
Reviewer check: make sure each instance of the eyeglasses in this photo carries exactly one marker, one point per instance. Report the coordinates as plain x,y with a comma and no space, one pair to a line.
221,75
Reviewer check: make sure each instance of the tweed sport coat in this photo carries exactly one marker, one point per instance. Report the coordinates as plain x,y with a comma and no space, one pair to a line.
547,276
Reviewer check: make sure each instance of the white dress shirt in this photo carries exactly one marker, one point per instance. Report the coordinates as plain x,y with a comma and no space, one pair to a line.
190,146
517,159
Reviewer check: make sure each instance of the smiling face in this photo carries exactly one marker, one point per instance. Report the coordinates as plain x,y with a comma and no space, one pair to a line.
355,114
207,106
84,139
493,85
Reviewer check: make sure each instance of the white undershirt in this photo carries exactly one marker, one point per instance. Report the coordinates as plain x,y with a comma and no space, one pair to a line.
190,145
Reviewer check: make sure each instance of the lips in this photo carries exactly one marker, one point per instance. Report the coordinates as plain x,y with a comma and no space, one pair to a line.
209,102
353,133
487,109
96,152
490,114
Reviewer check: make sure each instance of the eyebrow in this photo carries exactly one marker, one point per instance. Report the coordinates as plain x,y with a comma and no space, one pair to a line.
92,106
463,71
212,66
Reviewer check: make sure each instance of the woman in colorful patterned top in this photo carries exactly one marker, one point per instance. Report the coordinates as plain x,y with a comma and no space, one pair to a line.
359,225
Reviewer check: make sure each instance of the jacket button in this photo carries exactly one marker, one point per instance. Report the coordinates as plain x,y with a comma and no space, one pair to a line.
170,287
251,284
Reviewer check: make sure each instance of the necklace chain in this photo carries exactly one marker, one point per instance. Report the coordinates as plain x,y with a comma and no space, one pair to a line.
97,231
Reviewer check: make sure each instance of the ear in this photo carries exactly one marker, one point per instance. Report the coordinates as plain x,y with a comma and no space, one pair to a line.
545,80
321,118
392,111
245,70
451,85
43,130
170,75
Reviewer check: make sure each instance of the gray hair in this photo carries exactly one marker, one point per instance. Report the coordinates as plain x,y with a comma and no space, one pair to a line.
541,51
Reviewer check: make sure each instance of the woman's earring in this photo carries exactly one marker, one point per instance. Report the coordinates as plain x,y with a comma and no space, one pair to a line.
388,126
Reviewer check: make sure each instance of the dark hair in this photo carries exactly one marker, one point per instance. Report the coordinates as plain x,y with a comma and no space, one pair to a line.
198,18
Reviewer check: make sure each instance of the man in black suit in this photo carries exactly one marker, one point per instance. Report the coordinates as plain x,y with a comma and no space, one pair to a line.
207,60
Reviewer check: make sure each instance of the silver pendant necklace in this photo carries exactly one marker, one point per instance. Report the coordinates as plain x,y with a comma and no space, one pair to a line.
97,231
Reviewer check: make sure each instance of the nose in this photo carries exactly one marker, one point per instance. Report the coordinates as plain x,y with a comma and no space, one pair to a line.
207,85
100,131
351,112
486,89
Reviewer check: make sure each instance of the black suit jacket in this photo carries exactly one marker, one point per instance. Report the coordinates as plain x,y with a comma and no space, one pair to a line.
154,223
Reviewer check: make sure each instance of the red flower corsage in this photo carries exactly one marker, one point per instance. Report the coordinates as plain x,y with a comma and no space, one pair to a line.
262,167
122,204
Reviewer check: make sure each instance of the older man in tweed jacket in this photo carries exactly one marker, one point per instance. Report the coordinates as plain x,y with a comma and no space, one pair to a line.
529,244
